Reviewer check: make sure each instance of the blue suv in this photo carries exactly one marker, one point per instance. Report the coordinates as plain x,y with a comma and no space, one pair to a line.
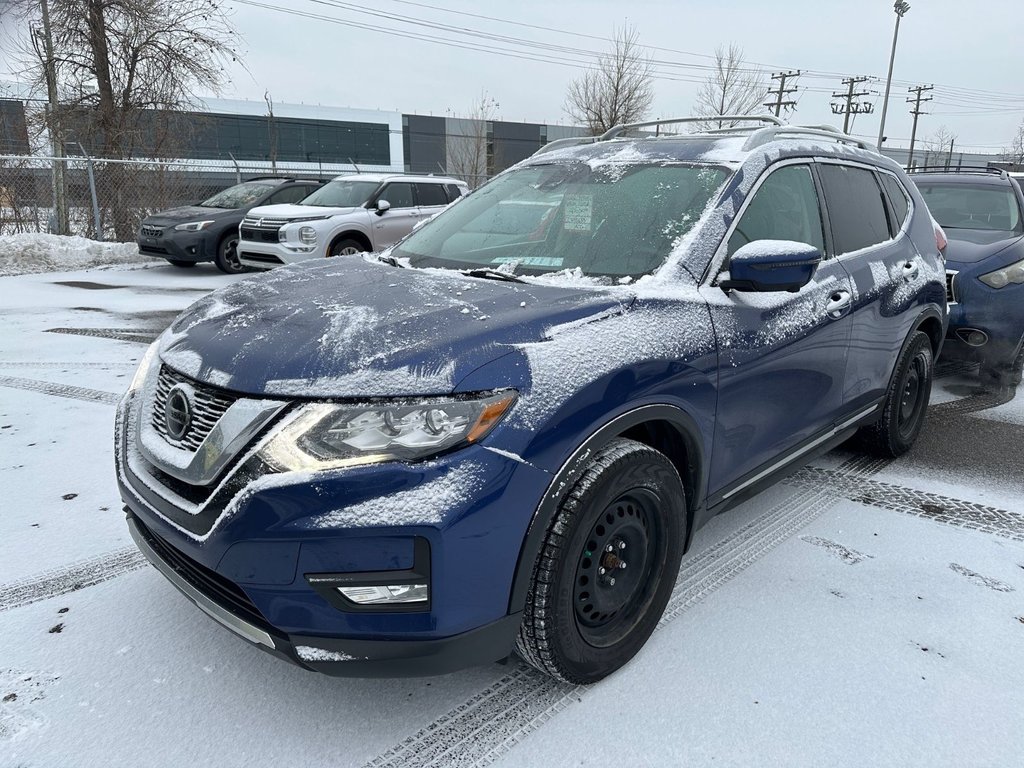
982,213
501,434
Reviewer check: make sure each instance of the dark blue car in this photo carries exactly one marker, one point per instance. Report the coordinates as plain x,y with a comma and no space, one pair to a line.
982,213
502,434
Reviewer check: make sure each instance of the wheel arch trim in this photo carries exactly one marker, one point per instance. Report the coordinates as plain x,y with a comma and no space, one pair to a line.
574,467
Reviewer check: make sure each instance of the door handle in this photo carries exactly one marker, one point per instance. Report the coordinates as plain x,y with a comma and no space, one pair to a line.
910,270
838,303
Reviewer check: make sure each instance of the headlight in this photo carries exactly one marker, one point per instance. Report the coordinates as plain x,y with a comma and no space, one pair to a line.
307,235
326,436
193,226
1014,273
144,365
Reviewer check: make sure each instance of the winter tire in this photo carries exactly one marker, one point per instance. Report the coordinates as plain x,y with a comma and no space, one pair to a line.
180,263
227,256
607,566
347,247
906,402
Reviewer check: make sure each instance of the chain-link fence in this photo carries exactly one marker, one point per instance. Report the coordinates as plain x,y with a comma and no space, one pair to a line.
107,199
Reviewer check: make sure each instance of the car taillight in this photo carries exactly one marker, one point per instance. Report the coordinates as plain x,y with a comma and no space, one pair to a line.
940,238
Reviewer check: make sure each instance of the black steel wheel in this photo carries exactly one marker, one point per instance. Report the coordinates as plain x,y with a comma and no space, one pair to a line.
227,256
906,402
607,566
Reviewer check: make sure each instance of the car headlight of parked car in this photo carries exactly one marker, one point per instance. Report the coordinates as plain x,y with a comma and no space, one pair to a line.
193,226
144,365
1014,273
326,436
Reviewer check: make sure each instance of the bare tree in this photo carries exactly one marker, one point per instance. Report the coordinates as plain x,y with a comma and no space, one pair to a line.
468,158
731,89
120,66
939,148
1015,152
619,90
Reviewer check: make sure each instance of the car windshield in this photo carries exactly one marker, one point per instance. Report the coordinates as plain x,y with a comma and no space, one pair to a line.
612,220
342,194
957,205
238,196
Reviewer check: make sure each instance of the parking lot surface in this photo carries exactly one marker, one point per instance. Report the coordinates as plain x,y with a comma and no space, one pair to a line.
861,611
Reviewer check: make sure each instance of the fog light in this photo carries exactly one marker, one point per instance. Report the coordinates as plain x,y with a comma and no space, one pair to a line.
973,337
387,595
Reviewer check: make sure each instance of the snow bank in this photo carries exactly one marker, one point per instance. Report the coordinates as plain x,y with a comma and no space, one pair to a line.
30,253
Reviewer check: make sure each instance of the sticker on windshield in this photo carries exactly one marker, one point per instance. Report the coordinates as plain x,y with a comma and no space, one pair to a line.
578,212
530,261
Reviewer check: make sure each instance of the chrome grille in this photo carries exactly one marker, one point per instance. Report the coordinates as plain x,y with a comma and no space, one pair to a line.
950,286
208,406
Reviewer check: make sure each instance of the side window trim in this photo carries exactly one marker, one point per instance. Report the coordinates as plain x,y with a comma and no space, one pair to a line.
911,208
826,221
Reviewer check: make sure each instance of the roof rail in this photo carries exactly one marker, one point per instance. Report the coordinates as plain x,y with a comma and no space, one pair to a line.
985,169
765,135
570,141
611,133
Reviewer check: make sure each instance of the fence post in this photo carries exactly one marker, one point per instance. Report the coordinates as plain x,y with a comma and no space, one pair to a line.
98,229
238,171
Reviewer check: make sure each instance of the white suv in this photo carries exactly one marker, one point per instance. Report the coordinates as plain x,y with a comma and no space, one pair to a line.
352,213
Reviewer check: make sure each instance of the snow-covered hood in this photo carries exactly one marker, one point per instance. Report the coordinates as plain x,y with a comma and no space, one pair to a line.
969,246
187,213
355,328
293,211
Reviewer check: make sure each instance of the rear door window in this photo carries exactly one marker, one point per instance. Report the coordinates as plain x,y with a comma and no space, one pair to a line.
785,207
897,198
431,195
454,192
856,207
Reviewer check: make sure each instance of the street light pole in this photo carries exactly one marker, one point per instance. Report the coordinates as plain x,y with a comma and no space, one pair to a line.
900,7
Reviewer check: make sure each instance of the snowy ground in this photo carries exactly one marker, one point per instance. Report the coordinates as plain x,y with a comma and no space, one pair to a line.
860,613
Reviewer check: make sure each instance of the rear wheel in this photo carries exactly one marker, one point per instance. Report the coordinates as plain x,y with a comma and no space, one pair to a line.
347,247
906,402
607,566
227,256
180,263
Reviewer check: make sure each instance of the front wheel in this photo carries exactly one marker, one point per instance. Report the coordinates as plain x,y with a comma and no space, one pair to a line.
906,402
227,256
346,247
607,566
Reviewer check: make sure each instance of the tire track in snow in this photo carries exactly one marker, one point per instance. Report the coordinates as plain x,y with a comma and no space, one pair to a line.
961,513
60,390
489,724
134,335
70,578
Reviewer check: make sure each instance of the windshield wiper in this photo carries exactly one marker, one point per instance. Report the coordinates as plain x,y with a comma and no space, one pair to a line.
490,274
389,260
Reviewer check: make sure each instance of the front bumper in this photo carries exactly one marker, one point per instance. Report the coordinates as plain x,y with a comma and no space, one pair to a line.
996,313
261,255
179,246
335,656
255,546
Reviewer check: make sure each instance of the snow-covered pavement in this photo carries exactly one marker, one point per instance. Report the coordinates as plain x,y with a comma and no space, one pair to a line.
861,612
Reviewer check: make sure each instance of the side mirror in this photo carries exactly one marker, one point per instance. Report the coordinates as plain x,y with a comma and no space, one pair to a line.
771,265
383,206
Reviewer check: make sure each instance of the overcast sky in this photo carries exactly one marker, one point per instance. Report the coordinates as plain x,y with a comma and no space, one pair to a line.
972,52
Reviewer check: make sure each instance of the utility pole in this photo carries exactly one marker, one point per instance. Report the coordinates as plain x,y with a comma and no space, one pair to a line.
56,134
850,108
779,93
917,100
